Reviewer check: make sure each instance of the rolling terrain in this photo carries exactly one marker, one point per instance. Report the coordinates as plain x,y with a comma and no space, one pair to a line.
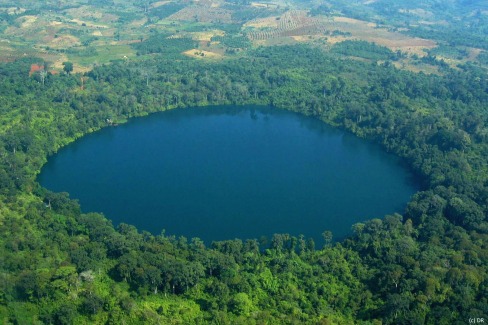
89,33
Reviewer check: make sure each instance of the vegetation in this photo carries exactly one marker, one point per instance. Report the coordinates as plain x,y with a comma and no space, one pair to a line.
364,49
426,266
165,10
96,32
232,42
483,57
62,266
458,23
160,43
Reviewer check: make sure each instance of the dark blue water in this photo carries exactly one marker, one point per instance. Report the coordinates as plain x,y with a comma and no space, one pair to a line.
228,172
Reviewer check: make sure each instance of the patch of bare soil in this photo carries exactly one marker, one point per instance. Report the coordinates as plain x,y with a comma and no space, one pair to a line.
197,53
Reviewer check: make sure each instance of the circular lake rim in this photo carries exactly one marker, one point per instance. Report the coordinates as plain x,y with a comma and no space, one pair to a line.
414,179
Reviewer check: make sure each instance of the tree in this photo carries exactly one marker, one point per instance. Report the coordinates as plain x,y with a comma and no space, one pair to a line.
327,235
43,75
66,314
92,304
68,67
241,304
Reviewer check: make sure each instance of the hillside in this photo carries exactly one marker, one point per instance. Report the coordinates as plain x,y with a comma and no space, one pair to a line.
89,33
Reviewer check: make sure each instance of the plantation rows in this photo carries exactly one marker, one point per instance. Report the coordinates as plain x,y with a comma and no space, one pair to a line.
292,23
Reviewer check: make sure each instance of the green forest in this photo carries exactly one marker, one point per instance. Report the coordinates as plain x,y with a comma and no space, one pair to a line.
60,264
429,265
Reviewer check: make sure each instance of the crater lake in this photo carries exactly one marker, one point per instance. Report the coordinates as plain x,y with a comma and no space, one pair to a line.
230,172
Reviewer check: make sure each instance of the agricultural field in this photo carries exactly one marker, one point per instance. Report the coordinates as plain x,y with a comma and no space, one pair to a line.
95,33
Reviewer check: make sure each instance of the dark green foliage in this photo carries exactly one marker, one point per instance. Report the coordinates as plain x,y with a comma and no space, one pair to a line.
455,36
65,315
164,44
165,10
232,41
92,304
364,50
68,67
449,52
483,57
